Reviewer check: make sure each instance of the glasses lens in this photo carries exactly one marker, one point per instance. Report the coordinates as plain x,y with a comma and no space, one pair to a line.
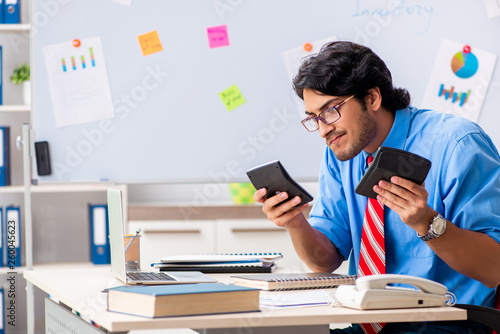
330,115
311,124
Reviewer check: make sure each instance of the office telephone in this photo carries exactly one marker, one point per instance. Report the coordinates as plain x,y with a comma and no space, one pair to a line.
375,292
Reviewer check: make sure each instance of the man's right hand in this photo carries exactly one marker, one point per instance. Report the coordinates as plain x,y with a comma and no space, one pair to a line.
283,214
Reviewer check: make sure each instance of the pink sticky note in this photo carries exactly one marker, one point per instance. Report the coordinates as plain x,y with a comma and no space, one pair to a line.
217,36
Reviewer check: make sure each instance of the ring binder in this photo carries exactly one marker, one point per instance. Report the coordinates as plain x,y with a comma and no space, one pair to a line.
11,13
4,153
2,243
99,231
13,236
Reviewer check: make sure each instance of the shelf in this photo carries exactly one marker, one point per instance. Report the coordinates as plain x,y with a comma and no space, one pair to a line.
52,266
54,188
23,27
15,108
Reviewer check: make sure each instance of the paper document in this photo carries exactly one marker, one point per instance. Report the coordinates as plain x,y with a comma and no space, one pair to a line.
222,258
123,2
460,79
492,8
292,59
277,300
78,82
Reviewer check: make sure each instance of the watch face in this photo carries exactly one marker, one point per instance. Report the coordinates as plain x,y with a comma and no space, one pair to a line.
439,225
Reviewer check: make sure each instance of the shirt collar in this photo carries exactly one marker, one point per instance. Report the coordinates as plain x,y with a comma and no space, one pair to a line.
396,137
399,131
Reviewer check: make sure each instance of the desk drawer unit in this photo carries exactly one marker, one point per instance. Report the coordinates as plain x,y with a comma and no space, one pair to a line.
257,236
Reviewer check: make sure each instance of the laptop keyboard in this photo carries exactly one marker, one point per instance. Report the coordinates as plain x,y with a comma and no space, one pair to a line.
149,276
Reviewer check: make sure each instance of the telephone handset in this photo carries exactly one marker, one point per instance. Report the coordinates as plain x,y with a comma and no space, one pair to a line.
374,292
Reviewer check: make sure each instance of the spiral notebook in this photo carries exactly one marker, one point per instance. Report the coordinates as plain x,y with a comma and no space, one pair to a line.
293,281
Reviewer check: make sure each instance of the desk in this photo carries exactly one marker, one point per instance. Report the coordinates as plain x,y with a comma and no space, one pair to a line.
80,289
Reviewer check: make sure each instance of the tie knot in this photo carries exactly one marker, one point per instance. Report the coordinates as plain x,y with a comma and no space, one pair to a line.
369,160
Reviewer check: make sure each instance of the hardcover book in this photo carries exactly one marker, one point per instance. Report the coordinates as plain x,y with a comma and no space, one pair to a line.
182,299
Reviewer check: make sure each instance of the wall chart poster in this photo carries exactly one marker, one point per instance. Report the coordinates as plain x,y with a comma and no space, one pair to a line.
78,81
460,79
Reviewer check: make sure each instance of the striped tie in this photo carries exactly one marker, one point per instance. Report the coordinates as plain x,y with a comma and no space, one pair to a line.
372,254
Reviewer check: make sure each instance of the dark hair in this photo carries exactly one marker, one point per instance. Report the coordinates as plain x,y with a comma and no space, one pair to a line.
346,68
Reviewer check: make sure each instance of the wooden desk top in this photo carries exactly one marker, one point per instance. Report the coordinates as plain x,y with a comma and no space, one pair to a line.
80,288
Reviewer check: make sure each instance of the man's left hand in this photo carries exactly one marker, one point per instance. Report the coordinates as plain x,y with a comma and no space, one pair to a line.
408,200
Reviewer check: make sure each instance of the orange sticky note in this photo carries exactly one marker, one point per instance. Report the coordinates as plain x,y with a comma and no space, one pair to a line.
150,43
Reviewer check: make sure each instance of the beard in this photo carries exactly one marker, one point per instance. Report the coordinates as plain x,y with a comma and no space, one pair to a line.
365,136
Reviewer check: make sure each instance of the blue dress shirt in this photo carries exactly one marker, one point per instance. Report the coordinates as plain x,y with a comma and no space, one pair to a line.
463,185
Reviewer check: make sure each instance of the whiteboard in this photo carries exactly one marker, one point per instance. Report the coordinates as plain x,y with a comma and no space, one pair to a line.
170,124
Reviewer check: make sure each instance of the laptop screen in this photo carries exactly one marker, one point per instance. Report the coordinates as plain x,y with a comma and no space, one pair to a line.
116,233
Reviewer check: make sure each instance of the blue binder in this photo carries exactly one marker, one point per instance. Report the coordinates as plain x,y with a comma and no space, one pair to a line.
1,71
4,156
11,12
13,236
2,304
2,231
1,11
99,242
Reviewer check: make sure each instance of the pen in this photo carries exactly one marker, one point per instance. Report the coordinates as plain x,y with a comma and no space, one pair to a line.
132,239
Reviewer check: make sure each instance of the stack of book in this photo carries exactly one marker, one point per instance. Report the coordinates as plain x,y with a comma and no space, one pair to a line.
221,263
182,299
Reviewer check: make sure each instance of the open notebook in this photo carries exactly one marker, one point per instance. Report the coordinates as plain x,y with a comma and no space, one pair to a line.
118,264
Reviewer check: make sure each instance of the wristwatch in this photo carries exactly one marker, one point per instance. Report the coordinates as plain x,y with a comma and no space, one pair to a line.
436,229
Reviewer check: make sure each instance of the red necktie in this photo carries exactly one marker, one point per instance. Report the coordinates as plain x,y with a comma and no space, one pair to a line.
372,254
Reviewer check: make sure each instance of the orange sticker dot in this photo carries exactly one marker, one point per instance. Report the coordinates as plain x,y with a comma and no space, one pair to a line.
308,47
76,43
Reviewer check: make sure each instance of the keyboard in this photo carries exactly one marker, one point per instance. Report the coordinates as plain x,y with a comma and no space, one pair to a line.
149,276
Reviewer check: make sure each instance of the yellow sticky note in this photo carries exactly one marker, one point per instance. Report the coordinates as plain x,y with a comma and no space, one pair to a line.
150,43
232,98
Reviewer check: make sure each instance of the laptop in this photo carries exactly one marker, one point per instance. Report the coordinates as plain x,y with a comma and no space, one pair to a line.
118,264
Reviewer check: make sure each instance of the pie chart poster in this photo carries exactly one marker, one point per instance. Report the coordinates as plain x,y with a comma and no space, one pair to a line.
460,79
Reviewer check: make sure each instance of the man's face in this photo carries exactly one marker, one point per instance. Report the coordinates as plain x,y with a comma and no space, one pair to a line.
349,135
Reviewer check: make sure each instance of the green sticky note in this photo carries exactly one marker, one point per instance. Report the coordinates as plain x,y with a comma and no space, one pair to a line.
232,98
242,193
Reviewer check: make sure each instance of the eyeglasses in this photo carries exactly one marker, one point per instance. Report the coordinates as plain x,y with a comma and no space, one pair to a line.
327,116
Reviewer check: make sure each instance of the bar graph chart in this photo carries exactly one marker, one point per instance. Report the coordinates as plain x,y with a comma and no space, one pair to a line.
74,66
453,96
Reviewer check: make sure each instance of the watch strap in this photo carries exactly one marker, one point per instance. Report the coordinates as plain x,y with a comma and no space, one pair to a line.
431,234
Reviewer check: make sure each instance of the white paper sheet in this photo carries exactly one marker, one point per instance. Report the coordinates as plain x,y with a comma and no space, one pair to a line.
492,8
293,58
300,298
460,79
123,2
78,82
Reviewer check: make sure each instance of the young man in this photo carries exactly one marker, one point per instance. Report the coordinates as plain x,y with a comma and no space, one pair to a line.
446,230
